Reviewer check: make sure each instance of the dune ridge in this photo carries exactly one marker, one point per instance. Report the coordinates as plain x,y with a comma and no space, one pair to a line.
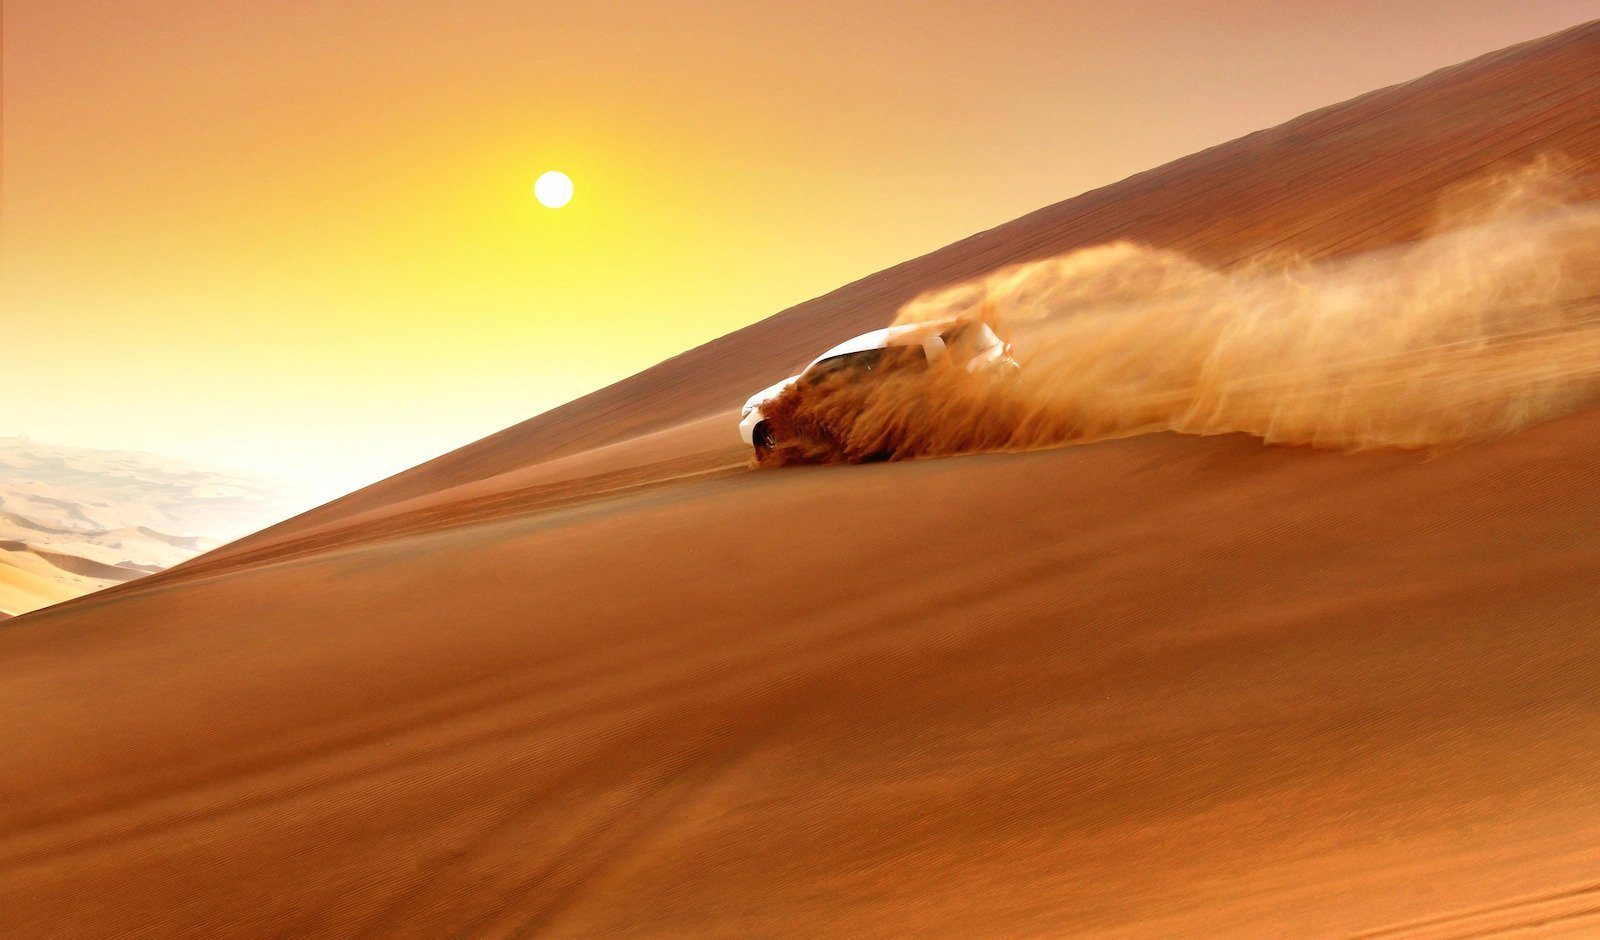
73,564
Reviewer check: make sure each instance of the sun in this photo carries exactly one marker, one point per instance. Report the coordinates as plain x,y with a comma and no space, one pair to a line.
553,189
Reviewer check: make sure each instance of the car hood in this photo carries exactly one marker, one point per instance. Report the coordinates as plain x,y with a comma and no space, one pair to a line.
767,394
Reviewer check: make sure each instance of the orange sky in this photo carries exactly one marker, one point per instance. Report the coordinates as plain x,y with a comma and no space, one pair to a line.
299,238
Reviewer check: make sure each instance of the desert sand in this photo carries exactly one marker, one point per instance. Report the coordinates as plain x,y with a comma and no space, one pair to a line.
596,675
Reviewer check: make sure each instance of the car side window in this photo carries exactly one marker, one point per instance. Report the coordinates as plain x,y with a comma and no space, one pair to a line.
905,359
863,361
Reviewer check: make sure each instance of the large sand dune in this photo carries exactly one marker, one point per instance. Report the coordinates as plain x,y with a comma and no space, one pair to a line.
595,676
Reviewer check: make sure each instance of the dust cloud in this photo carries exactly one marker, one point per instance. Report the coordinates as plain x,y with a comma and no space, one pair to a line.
1487,325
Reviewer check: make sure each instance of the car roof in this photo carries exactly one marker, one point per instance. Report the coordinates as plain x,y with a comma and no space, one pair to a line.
906,334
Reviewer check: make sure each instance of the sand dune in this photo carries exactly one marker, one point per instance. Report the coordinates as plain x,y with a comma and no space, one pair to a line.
595,676
28,582
72,564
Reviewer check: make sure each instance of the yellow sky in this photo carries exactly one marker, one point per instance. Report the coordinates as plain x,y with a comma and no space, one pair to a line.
300,238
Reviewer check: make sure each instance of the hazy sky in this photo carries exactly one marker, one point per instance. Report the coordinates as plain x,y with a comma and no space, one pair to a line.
299,238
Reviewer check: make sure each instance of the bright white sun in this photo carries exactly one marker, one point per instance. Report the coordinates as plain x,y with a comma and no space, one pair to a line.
553,189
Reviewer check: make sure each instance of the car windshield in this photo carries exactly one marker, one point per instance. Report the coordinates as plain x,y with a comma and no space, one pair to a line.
895,358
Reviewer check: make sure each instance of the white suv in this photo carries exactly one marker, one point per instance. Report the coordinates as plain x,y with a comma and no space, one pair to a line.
966,344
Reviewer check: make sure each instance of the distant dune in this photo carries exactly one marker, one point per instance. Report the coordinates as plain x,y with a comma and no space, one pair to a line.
28,582
594,676
76,520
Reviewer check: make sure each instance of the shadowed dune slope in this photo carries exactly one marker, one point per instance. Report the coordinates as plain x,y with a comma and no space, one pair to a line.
594,677
1347,178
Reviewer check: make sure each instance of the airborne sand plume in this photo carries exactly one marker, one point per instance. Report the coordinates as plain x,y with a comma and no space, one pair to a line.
1488,325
